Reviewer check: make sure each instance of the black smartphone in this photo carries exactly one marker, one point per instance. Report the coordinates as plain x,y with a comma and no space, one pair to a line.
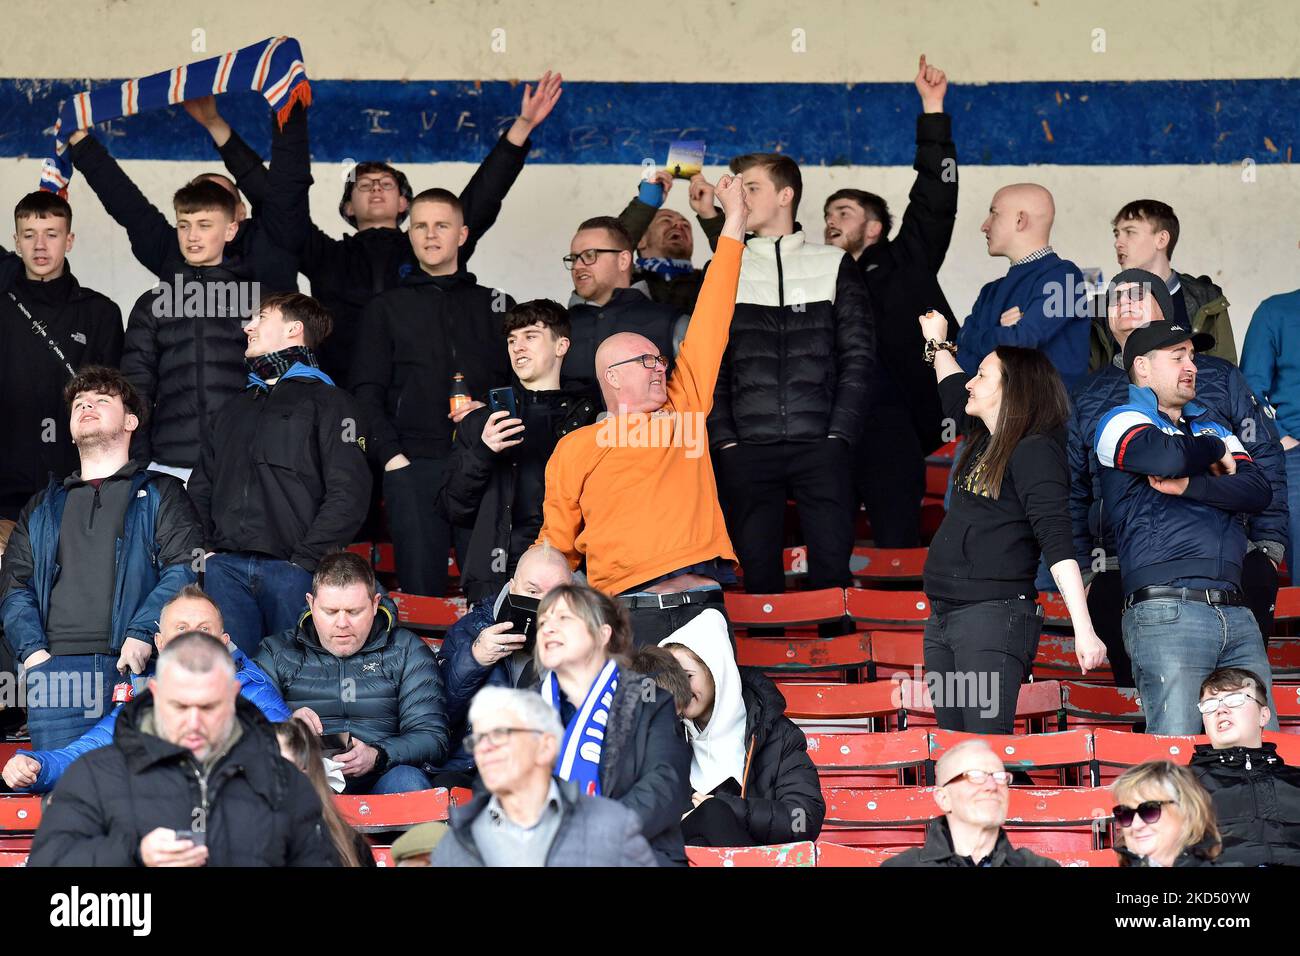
333,744
503,400
197,837
521,612
730,786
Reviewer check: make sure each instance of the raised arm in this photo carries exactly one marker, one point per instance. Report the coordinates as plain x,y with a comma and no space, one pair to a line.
926,228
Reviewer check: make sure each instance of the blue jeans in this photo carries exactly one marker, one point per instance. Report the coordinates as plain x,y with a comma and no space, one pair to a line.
400,779
1293,505
1174,645
67,695
257,595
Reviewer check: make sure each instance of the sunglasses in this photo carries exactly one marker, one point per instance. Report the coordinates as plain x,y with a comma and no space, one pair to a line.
1149,811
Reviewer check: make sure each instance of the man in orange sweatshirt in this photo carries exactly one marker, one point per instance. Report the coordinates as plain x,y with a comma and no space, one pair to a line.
634,494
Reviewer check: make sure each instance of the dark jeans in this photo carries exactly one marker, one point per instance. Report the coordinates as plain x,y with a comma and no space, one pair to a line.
753,484
422,537
976,657
400,779
67,695
889,480
650,625
257,595
713,823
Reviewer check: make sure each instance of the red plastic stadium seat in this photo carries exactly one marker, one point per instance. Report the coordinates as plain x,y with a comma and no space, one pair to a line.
20,814
838,754
848,653
1288,605
1100,705
1055,613
13,859
1120,748
1041,699
1059,751
887,609
936,478
837,854
896,652
780,854
887,564
1284,656
9,748
1288,746
946,452
1102,858
840,701
776,610
932,515
1055,659
383,855
418,611
398,811
905,806
1286,702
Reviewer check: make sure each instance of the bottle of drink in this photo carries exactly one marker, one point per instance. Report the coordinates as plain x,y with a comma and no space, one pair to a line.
459,392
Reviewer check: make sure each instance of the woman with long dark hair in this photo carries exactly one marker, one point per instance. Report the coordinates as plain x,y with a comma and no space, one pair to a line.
1009,509
300,747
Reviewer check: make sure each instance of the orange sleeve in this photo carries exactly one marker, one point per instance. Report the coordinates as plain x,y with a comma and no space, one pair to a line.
561,513
696,372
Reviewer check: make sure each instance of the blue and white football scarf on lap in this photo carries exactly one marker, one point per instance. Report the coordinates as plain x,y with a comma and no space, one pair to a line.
272,67
584,737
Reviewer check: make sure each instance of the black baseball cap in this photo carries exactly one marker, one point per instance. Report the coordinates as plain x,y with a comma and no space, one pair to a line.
1162,335
1154,286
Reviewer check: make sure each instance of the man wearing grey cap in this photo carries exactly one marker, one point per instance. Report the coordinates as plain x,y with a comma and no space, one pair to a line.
1135,299
1175,480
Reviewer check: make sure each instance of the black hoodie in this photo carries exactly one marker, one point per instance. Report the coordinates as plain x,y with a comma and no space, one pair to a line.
87,326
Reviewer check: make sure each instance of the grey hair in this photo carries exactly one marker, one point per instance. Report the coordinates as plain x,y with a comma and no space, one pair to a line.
197,653
527,706
949,757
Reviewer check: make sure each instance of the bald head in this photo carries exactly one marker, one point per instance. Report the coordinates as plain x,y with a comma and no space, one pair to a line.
967,755
1020,220
540,569
631,385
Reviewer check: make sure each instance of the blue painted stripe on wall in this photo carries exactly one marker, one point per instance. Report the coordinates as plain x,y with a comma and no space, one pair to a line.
1096,123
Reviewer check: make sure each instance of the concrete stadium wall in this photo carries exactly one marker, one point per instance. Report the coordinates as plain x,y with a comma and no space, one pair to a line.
1102,103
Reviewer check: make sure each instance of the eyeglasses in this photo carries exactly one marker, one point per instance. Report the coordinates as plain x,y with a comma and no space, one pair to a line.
647,361
588,257
370,185
497,736
1134,293
978,777
1235,699
1149,811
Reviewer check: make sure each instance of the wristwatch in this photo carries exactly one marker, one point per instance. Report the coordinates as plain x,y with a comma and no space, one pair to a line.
933,346
381,760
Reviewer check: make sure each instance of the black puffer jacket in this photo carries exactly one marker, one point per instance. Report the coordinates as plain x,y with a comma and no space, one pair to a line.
260,811
413,340
185,366
1200,854
628,310
1257,802
800,362
783,797
500,495
389,693
646,764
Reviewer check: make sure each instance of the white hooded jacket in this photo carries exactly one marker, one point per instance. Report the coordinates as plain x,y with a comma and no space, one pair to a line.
717,750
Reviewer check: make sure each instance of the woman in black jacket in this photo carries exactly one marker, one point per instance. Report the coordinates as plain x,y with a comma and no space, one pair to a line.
619,741
1009,510
1163,817
752,779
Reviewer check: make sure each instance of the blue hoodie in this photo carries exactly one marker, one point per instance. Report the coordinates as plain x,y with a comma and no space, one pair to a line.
254,686
1270,359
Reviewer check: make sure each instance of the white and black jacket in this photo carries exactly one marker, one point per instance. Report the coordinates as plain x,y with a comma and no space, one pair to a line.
801,355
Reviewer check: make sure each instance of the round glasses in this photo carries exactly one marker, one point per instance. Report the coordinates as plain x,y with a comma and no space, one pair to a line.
1235,699
1149,811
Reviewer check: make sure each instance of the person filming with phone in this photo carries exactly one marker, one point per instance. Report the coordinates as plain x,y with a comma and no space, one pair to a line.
492,646
495,479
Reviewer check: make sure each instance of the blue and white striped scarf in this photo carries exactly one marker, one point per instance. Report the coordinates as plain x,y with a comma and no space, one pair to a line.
272,67
584,737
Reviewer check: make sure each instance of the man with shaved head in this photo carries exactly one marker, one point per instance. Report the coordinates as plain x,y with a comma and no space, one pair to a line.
1041,303
973,793
478,652
634,495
